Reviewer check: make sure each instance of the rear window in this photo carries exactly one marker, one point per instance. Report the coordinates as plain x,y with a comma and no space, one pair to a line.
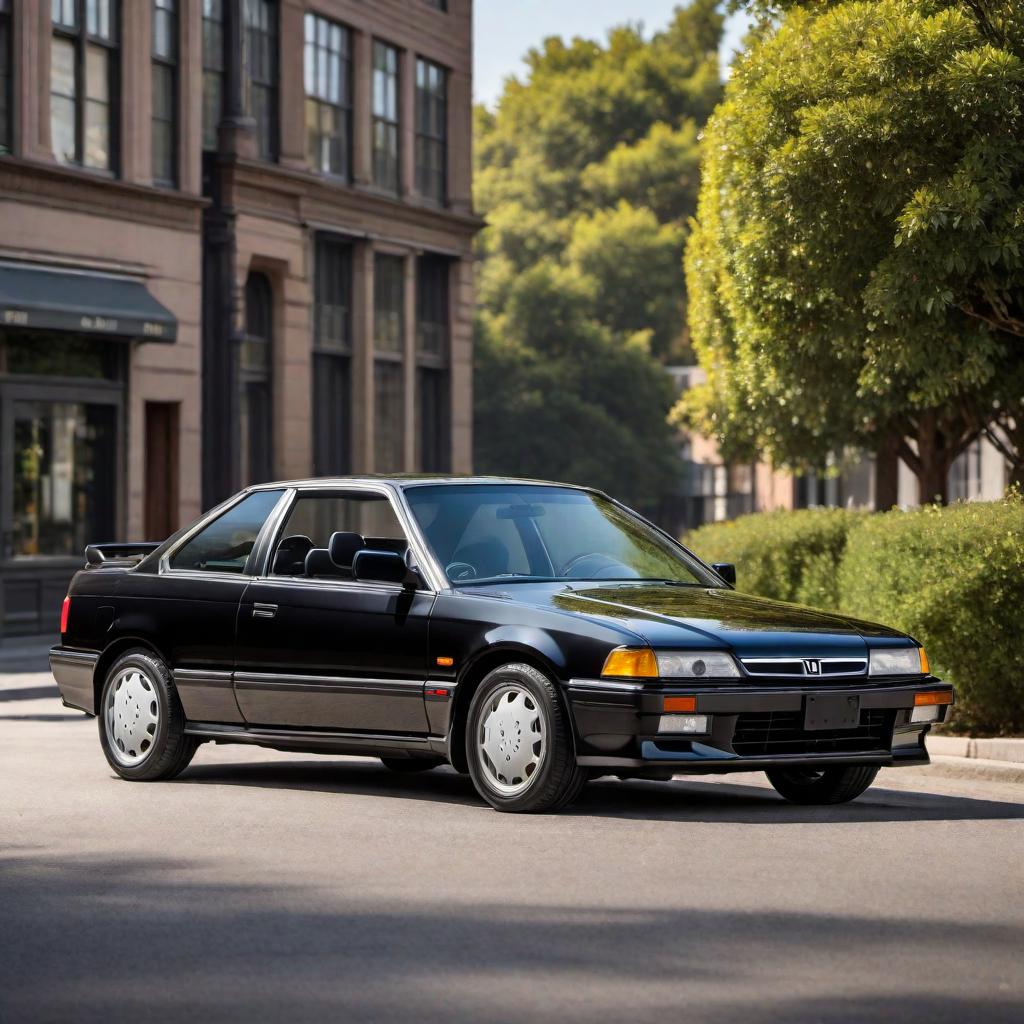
226,543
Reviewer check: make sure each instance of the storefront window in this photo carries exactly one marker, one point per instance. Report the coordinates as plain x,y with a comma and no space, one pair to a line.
62,356
64,477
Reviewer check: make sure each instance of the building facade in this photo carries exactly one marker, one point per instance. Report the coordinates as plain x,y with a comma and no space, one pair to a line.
235,245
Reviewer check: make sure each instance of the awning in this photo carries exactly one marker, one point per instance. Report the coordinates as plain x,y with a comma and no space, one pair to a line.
81,301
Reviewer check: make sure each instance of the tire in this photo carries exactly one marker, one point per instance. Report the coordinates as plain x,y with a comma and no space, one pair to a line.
143,742
822,786
411,765
519,742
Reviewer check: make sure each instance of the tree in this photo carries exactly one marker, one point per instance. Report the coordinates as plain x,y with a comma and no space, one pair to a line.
587,171
855,272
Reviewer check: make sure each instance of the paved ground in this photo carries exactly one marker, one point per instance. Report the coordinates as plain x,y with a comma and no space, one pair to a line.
263,886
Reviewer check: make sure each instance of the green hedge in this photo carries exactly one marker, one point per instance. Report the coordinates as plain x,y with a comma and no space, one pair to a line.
952,577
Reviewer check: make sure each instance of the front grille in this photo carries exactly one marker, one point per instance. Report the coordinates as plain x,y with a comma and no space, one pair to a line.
760,733
816,668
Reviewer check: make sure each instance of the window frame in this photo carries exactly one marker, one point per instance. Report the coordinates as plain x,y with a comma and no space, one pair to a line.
268,148
428,100
210,143
262,283
170,63
341,109
391,125
340,355
435,365
7,78
393,358
81,39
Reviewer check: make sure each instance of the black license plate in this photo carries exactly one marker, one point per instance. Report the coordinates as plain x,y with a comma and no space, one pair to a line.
831,711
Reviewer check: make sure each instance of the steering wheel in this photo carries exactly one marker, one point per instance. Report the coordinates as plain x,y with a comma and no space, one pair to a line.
460,571
592,564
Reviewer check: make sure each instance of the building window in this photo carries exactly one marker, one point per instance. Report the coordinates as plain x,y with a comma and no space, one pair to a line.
332,358
165,92
6,77
83,75
328,65
388,369
260,62
254,378
432,364
385,117
213,70
441,5
431,130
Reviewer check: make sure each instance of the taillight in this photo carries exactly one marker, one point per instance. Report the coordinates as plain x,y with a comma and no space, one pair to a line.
64,609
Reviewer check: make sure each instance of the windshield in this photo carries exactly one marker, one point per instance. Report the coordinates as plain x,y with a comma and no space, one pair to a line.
483,532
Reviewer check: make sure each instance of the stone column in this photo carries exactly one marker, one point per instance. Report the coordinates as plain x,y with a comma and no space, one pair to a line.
407,122
291,85
362,124
136,85
460,142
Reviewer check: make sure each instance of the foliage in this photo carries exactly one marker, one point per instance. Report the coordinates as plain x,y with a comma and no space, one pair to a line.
787,556
587,171
951,577
856,270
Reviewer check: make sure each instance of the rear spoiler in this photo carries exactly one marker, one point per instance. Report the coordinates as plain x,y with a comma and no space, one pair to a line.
118,554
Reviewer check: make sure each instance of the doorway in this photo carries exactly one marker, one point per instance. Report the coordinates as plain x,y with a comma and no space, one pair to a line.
162,469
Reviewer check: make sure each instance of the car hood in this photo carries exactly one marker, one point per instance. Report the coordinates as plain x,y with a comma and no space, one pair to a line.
664,615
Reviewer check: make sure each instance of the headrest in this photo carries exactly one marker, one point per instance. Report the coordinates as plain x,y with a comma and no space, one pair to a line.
344,545
320,563
290,554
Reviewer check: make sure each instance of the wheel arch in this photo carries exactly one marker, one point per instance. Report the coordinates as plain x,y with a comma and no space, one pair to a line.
505,652
112,652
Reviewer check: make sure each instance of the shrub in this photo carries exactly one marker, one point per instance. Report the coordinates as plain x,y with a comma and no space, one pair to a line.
954,579
789,556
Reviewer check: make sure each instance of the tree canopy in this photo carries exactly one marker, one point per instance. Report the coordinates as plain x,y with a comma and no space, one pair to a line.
587,172
856,274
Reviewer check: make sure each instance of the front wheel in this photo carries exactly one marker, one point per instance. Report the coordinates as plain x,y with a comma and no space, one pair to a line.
141,720
821,785
519,742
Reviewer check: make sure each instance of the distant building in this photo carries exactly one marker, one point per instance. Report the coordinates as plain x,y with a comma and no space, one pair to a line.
235,244
711,490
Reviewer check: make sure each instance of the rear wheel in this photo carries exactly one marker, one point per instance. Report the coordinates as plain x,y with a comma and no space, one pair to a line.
141,720
821,785
519,742
410,765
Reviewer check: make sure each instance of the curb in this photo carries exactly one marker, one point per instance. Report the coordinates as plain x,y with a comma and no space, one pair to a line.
1003,750
976,768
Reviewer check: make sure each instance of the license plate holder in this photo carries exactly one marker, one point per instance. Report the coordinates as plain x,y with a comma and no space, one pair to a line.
831,711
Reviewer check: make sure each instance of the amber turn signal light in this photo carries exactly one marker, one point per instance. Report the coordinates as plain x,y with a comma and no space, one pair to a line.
932,697
631,662
445,662
925,669
680,703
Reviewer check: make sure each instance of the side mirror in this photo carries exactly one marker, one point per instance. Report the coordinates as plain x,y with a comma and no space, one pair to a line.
727,571
383,567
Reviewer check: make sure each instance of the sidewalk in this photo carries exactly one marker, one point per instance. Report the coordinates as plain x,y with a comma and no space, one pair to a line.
26,653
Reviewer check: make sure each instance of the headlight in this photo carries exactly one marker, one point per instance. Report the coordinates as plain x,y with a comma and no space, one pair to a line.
696,665
644,663
898,661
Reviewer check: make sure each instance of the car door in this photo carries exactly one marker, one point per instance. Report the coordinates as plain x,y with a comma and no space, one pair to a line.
318,649
190,606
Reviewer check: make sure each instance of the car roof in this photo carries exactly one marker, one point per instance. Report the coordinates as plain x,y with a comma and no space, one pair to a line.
407,480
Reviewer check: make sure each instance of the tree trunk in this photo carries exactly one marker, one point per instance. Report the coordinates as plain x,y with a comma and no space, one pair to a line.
887,475
933,482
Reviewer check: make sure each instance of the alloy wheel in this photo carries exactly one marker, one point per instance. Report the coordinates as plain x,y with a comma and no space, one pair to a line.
132,716
512,739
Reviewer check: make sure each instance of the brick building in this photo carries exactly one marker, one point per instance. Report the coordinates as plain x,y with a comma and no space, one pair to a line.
235,244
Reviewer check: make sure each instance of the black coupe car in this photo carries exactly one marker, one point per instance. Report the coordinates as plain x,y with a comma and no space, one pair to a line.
534,635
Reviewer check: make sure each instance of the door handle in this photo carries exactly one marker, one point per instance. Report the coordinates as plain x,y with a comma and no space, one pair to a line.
263,611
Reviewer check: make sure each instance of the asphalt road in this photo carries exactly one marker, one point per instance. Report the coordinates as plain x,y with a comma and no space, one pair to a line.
263,886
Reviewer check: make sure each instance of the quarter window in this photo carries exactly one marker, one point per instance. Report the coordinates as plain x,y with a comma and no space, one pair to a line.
213,70
83,74
385,117
328,96
225,545
260,61
431,130
165,89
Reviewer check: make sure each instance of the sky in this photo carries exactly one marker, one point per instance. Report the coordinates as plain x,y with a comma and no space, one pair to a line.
505,29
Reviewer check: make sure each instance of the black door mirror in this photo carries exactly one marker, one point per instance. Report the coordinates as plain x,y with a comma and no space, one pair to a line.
727,571
383,567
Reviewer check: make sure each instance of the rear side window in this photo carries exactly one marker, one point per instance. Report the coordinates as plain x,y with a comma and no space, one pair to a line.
225,545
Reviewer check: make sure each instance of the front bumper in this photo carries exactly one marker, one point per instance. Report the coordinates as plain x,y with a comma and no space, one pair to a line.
751,727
